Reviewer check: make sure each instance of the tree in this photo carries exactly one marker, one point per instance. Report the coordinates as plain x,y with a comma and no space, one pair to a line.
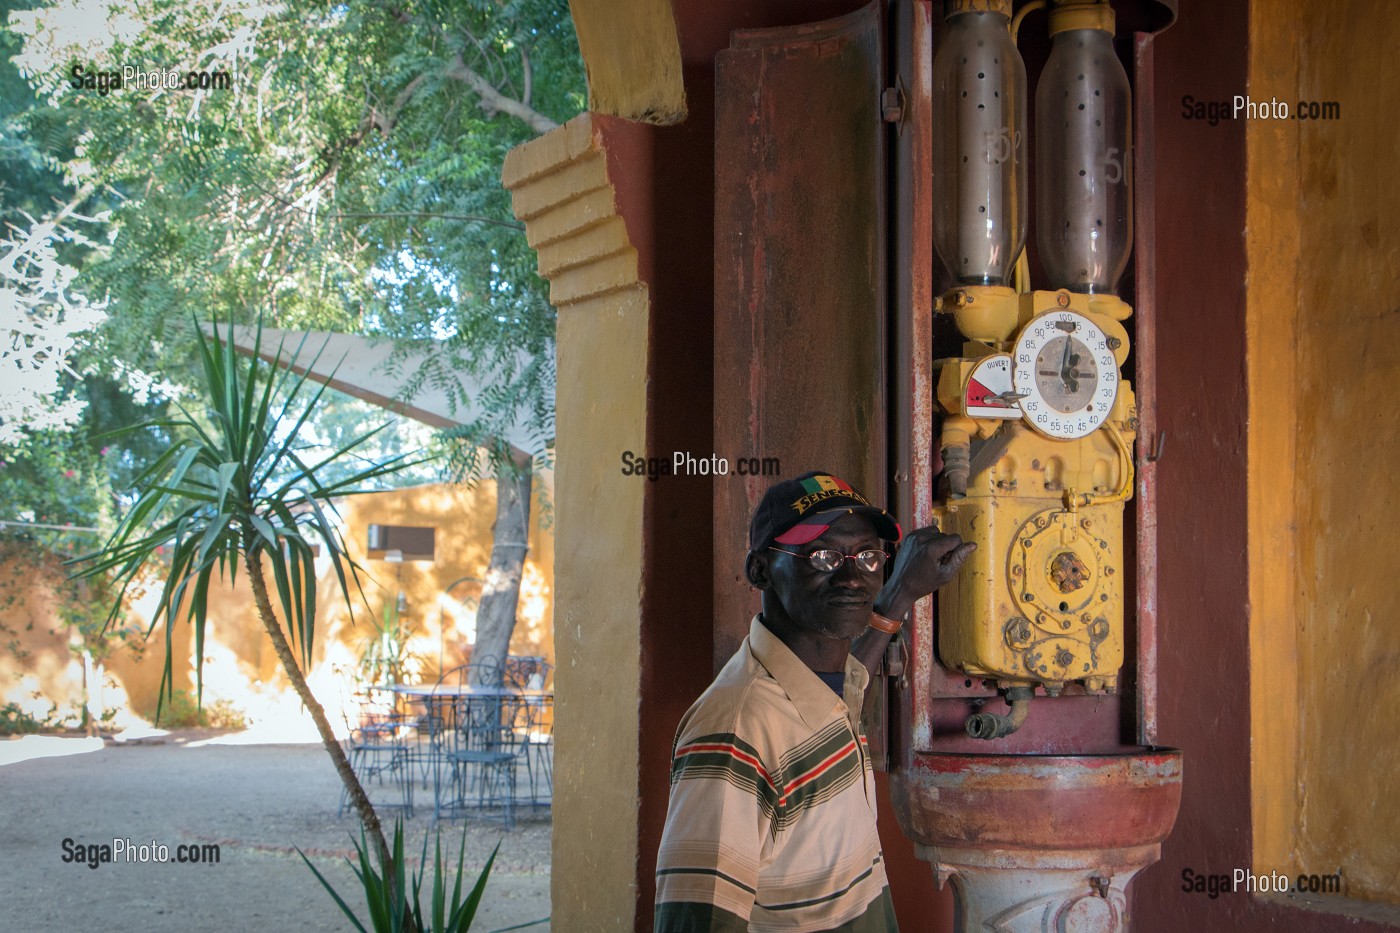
343,181
39,323
345,178
231,491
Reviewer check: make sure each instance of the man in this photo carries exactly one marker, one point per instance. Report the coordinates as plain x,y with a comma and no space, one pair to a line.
771,824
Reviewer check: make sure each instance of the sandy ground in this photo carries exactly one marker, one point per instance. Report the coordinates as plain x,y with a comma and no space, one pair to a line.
257,802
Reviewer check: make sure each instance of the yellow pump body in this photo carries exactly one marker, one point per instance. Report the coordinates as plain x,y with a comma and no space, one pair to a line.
1041,599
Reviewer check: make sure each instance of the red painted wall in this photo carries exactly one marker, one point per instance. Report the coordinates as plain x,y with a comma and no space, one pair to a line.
668,202
664,178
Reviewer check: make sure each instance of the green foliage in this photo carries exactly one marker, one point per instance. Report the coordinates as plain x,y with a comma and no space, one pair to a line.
29,146
15,721
182,710
348,179
395,906
384,655
68,477
341,418
233,488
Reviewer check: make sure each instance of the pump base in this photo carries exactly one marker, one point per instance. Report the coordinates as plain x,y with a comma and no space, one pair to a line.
1040,842
1070,891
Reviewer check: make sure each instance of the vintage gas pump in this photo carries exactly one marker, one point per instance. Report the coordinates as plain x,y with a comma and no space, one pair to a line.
1016,431
1038,820
1037,390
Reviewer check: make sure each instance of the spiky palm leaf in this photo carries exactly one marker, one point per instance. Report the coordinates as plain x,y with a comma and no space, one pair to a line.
395,903
233,488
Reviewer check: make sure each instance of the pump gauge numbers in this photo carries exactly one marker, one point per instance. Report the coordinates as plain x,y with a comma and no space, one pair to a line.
1066,374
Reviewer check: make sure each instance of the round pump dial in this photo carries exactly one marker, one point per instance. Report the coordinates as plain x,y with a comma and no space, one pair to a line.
1066,374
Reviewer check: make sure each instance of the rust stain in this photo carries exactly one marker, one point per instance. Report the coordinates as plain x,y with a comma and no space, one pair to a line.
923,441
798,274
1040,802
1068,572
1145,335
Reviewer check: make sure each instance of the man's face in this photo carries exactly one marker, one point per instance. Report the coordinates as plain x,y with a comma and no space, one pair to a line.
836,604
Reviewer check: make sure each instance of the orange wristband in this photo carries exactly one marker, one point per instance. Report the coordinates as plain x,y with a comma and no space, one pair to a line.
888,626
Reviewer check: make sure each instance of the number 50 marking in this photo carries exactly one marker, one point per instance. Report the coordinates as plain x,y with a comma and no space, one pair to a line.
1001,144
1113,166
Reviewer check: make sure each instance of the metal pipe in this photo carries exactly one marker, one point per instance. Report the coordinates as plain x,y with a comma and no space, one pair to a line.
956,448
995,725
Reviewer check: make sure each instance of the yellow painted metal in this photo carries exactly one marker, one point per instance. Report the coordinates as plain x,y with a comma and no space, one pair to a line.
1081,14
999,7
988,313
1041,599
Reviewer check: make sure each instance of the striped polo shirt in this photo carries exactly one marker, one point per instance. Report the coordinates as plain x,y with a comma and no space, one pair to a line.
771,824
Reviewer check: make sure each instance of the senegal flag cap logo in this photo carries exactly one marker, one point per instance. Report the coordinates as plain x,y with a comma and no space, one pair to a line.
799,510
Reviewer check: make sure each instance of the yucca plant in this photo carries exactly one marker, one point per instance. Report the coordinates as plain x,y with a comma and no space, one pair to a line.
231,492
395,905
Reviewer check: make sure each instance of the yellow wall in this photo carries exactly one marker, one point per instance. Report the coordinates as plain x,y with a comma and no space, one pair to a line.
560,188
41,657
1324,276
632,57
240,665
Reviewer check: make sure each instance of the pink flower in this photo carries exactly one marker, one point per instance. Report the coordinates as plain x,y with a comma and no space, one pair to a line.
69,473
103,451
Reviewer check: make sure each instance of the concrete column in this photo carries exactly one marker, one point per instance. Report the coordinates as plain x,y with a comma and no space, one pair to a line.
560,189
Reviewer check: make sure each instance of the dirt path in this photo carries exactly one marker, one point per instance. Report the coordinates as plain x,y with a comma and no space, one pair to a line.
255,802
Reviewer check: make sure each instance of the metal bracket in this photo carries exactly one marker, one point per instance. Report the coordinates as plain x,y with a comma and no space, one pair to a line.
1158,446
892,104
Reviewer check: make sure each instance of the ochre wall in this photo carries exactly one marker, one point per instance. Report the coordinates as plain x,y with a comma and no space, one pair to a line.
1272,240
561,187
240,665
1260,227
1325,258
41,656
632,59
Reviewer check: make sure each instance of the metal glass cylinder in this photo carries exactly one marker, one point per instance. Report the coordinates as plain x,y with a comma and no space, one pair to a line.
1083,174
979,179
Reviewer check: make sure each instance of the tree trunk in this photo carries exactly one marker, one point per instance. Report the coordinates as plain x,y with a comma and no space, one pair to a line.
252,560
500,595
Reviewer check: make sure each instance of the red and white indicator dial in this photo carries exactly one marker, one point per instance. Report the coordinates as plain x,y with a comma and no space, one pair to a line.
989,393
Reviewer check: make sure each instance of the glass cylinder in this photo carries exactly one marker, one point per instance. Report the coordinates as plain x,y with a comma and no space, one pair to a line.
979,163
1084,169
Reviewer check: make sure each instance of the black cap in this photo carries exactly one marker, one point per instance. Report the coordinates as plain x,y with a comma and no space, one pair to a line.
796,511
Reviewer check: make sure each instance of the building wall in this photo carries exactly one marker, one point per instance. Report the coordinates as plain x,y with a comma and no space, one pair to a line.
1272,502
42,661
1203,653
565,187
240,666
1324,262
1229,608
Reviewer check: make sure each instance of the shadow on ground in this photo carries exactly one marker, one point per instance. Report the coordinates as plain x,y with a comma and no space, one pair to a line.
257,803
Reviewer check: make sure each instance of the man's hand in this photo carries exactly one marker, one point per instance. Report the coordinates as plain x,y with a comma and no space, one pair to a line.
927,559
